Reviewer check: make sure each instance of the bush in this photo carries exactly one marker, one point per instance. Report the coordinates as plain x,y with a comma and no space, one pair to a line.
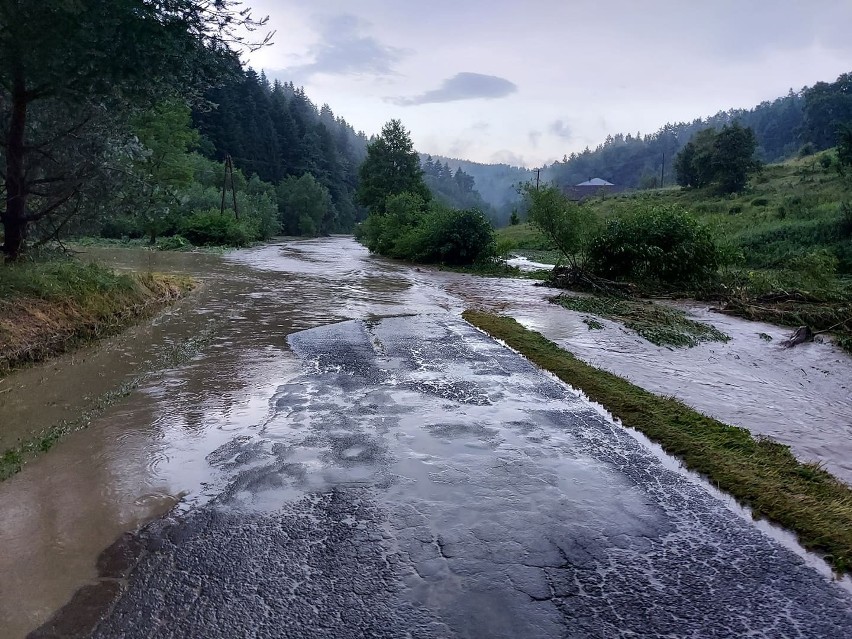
174,243
457,237
410,231
215,229
655,244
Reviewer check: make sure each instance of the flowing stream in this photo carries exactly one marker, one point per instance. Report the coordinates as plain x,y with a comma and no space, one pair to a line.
164,395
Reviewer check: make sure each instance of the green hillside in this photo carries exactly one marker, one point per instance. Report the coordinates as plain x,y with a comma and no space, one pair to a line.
791,212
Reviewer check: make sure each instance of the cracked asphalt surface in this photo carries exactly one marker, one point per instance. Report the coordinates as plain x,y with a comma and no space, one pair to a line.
420,480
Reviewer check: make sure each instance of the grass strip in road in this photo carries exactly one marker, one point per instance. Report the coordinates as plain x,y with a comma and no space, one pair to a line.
760,473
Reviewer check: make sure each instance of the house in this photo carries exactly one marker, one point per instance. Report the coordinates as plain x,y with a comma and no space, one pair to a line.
591,188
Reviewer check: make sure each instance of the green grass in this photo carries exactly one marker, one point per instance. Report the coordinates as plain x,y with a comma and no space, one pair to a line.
523,236
788,211
497,269
760,473
538,255
48,306
656,323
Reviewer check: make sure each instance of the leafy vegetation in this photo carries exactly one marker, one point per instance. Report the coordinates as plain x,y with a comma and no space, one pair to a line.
654,244
725,158
660,325
455,189
392,167
760,473
74,74
403,223
567,226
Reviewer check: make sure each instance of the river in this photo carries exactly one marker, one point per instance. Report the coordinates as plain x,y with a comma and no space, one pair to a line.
204,372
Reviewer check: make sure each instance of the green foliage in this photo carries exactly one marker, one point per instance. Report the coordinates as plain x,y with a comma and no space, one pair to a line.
411,230
844,145
212,228
305,206
174,243
514,219
453,189
455,237
807,149
274,131
392,167
725,158
73,74
828,106
568,226
655,243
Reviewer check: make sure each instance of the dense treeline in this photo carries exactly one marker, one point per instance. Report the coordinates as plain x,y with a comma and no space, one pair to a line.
274,131
497,184
801,121
455,189
809,117
76,79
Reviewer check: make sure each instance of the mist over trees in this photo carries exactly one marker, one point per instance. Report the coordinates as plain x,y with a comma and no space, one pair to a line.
274,131
781,127
456,189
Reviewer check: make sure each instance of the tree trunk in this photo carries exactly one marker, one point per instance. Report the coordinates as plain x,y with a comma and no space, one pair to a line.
14,218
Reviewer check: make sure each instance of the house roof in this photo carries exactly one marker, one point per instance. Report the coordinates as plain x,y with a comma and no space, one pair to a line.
596,182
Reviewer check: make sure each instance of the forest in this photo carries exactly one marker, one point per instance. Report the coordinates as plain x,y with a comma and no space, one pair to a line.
805,120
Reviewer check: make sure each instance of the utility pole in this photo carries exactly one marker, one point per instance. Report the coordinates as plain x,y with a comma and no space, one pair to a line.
229,170
537,178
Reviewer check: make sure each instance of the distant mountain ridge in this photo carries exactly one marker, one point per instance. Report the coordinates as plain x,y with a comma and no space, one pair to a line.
782,127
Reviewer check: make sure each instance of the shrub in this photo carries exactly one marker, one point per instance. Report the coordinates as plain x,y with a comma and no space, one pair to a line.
174,243
845,223
655,244
806,150
457,237
215,229
408,230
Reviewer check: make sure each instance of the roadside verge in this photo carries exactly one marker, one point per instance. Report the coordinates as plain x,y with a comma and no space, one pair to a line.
49,308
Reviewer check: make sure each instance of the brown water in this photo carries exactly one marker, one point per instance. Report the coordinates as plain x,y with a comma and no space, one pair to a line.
147,452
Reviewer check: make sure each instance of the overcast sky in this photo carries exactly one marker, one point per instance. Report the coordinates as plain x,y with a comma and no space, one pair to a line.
527,81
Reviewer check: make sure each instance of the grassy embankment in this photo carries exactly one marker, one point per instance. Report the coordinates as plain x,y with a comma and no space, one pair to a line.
758,472
785,232
48,307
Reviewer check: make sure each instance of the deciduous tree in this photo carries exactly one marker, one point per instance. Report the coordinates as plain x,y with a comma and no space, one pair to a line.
65,65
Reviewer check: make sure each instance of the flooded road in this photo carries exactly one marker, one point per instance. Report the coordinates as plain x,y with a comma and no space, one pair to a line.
451,464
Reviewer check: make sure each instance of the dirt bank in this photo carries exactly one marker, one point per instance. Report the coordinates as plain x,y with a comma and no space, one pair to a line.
47,310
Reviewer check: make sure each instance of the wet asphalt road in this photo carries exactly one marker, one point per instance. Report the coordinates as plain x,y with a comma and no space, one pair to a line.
420,480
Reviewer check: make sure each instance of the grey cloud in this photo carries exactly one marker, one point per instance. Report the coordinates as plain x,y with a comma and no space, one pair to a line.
560,129
345,50
463,86
534,137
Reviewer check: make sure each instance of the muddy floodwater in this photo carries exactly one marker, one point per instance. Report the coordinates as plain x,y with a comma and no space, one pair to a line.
205,372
